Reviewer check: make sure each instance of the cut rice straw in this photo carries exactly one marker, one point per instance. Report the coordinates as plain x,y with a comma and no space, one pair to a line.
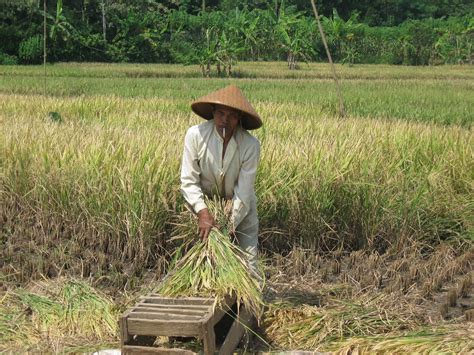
453,340
216,267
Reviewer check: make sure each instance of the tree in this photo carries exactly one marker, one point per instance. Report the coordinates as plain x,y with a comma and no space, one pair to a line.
342,36
295,35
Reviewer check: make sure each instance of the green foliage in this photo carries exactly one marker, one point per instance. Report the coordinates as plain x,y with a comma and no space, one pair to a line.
6,59
455,44
137,38
294,33
31,50
55,116
343,36
416,42
151,31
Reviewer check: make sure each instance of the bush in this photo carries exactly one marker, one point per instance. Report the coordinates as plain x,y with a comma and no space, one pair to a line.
417,41
6,59
455,43
31,50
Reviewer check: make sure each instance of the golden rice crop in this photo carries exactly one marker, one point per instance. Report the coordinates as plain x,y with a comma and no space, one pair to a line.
95,195
109,181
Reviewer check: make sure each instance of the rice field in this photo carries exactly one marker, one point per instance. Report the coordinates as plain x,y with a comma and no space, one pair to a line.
92,194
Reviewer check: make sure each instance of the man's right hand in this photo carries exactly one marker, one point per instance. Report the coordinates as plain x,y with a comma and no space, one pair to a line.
205,223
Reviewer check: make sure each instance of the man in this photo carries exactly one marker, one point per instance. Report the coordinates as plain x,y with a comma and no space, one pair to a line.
220,159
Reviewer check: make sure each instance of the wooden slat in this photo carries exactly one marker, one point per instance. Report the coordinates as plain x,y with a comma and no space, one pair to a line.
131,349
236,331
191,312
220,311
209,339
169,328
203,307
124,336
164,316
155,298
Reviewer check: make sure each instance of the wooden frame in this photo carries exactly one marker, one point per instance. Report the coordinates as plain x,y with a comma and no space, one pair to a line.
196,317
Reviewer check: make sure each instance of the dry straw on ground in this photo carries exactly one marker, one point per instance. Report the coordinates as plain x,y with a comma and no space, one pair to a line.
452,339
56,315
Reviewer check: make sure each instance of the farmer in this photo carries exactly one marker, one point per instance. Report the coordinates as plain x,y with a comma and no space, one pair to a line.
220,159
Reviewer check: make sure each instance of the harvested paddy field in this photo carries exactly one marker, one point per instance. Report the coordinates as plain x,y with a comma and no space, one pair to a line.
366,222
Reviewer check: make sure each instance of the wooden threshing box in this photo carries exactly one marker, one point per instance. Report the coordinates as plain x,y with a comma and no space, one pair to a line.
196,317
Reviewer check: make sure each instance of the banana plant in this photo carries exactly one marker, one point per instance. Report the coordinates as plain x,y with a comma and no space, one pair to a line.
342,35
59,23
229,49
295,35
208,53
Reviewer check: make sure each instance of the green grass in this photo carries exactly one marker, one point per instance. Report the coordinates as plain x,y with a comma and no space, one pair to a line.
437,94
264,70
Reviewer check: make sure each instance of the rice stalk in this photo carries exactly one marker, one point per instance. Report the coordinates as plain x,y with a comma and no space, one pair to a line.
452,340
56,314
310,327
216,267
15,328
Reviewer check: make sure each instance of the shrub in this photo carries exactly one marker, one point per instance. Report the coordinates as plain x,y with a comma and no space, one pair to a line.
6,59
31,50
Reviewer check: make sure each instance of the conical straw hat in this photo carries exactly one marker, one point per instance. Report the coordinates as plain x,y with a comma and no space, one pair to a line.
232,97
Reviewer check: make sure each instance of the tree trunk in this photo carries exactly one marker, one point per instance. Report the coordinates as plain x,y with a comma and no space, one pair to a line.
291,60
104,25
218,65
203,5
208,70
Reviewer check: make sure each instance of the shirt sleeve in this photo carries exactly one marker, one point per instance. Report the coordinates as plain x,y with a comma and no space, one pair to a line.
191,172
244,191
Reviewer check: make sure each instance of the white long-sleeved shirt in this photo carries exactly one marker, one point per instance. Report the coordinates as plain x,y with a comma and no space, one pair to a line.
204,172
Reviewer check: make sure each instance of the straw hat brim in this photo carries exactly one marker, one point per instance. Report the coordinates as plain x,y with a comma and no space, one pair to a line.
230,97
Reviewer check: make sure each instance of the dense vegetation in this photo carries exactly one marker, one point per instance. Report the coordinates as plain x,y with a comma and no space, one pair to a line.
215,33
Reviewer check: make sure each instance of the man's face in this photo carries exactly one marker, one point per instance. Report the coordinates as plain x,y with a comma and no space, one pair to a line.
227,118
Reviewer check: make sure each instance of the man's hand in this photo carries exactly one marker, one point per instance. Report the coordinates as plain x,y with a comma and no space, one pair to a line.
205,223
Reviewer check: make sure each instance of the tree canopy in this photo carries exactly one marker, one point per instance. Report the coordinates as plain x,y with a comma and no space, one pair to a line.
219,32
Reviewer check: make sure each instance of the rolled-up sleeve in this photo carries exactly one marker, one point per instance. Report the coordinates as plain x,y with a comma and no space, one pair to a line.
190,172
244,190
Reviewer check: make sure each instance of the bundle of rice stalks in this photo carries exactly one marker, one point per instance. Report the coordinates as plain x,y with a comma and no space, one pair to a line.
216,267
15,328
313,328
55,315
452,340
